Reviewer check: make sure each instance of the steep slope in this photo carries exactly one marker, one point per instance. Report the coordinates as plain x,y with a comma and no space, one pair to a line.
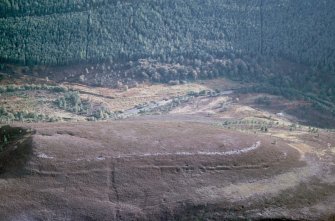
62,32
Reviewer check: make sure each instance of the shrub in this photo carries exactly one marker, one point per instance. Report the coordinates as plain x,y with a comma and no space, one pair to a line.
70,101
265,100
3,111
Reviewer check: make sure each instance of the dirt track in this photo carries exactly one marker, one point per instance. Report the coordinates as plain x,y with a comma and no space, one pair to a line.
165,170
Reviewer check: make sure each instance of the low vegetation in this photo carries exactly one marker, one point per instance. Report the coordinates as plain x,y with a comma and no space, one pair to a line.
30,87
7,116
322,103
71,101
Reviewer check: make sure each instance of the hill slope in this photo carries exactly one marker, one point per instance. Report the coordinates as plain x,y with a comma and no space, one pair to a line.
62,32
168,170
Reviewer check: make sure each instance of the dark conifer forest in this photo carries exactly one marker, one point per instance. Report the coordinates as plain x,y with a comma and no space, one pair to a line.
63,32
286,44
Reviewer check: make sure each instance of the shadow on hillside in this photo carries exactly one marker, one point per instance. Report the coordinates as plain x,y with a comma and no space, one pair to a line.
15,150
